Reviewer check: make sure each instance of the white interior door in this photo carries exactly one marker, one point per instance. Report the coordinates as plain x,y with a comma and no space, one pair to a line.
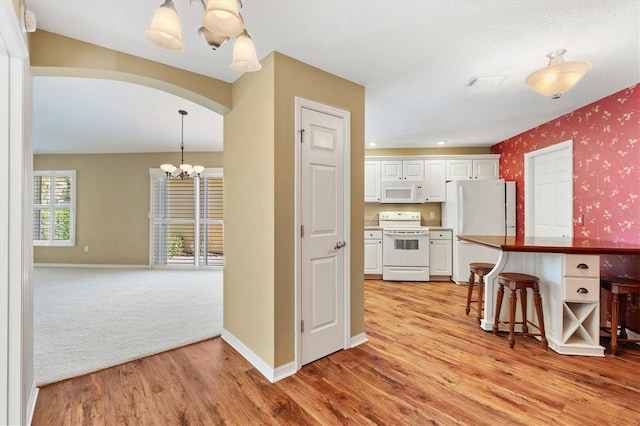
549,191
322,244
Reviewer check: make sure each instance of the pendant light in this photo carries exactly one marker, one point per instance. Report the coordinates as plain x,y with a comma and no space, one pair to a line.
244,54
222,17
558,76
221,21
165,30
184,171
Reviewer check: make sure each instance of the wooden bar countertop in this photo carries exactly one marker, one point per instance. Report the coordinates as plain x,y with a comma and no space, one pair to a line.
553,245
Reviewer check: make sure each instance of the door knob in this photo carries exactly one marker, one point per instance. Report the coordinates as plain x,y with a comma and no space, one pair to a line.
340,244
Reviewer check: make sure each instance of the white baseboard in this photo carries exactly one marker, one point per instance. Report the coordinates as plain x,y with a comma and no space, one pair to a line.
89,265
31,403
358,339
272,374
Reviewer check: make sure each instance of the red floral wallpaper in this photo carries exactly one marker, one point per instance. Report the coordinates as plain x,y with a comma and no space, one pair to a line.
606,167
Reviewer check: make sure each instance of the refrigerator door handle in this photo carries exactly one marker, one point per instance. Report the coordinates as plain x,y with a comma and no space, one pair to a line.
461,209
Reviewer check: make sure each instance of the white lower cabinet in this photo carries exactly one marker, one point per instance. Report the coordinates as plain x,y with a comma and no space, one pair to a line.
440,255
580,330
373,252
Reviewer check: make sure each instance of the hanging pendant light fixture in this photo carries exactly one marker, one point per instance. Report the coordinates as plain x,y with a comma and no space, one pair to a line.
184,171
557,77
244,54
165,30
221,21
222,17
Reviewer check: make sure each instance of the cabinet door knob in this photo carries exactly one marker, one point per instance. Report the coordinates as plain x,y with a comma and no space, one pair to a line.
582,266
582,290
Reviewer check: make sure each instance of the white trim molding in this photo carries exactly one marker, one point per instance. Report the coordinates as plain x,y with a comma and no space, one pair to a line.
271,374
18,393
529,182
358,339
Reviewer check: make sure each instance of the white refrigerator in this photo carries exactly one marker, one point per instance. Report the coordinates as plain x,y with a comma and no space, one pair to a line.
478,207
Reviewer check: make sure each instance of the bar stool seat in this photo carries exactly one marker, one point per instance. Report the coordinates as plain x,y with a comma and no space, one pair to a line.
515,281
617,287
480,269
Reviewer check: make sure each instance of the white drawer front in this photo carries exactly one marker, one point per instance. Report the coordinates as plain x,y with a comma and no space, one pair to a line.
582,289
440,235
579,265
373,235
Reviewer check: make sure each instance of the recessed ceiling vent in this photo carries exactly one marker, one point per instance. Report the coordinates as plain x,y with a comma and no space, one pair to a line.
486,81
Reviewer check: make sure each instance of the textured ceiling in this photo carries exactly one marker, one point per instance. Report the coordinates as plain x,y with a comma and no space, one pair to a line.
414,57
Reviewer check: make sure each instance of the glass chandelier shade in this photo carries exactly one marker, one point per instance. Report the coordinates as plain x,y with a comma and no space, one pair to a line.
165,30
244,54
221,21
558,76
222,17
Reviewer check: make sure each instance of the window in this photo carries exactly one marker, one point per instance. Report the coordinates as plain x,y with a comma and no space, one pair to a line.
54,207
183,212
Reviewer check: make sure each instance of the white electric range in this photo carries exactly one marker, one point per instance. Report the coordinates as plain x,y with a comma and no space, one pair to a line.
405,247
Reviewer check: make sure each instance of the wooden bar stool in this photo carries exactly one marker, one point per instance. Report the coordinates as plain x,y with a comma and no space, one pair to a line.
522,282
480,269
617,287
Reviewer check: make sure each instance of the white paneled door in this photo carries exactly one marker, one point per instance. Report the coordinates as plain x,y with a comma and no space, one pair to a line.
549,191
322,243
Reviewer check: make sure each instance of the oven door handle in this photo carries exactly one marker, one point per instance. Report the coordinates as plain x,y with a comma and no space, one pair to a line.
406,233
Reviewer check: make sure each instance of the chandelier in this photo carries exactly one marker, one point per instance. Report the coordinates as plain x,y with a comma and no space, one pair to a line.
184,171
558,76
221,20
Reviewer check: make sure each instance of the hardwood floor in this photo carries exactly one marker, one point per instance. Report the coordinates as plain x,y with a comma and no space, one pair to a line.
425,363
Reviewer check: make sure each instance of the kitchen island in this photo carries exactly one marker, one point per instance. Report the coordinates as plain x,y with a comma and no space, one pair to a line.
569,272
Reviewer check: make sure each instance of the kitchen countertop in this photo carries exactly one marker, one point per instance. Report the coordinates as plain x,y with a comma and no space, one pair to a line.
552,245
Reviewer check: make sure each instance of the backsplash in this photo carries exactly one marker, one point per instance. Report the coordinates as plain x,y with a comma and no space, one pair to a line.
371,211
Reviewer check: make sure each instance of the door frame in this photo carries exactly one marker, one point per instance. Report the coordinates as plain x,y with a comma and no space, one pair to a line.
346,117
18,391
529,183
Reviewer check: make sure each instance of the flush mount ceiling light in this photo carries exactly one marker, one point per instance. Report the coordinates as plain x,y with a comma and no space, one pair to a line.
184,171
221,20
557,77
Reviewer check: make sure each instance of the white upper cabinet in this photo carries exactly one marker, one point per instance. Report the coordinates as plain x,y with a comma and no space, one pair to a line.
372,191
402,170
434,188
425,175
473,168
486,168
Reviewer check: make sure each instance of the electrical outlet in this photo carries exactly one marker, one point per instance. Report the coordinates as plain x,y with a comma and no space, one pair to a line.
86,249
432,215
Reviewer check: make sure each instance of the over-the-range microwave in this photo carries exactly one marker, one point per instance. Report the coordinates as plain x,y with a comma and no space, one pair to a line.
405,192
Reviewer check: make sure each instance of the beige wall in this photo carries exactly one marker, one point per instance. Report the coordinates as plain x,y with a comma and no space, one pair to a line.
112,205
249,213
259,196
294,78
259,145
56,55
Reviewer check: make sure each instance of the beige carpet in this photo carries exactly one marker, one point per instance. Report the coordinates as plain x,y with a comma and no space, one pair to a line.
87,319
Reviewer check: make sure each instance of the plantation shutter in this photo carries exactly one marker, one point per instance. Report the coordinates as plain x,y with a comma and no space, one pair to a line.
211,213
174,221
54,207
